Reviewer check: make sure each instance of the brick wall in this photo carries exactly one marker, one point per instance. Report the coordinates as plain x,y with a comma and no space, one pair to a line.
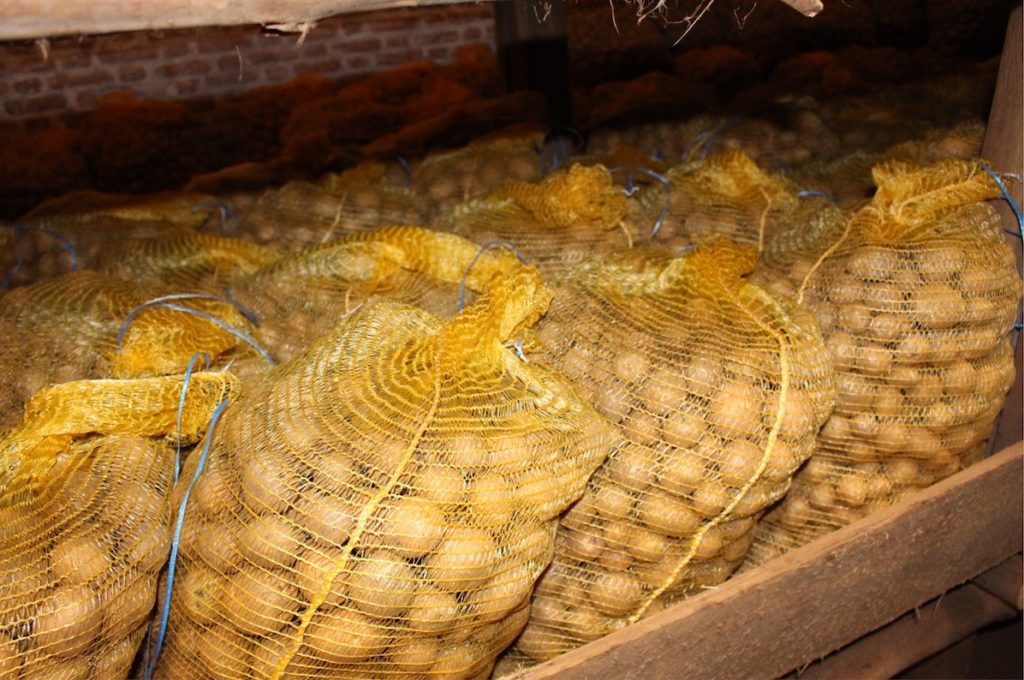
72,74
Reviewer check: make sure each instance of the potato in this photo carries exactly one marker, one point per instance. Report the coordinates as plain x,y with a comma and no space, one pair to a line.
616,594
223,656
128,609
313,568
10,657
583,544
505,593
668,515
683,429
211,494
610,501
739,462
491,500
711,498
463,560
67,622
80,559
681,473
433,610
269,542
268,485
542,642
414,656
258,602
342,636
381,584
630,366
198,592
631,466
701,376
53,668
442,484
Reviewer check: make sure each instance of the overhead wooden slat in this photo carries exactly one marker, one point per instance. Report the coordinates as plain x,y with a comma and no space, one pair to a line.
32,19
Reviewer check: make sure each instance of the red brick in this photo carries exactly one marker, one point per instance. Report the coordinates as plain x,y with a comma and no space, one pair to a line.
28,86
357,64
219,40
80,78
36,105
405,23
222,81
189,87
396,41
139,53
177,48
439,38
472,33
321,66
131,73
193,67
265,56
358,45
440,54
277,73
71,58
228,63
389,59
86,99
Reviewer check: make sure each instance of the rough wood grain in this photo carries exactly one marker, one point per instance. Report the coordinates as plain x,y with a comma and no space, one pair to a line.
1005,581
814,600
27,19
914,636
1004,148
808,8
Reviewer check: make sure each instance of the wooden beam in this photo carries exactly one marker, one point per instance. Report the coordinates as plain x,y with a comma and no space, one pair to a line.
30,19
1004,149
814,600
809,8
1005,581
914,636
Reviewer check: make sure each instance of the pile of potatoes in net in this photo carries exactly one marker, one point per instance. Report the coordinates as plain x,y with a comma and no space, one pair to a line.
384,503
716,390
916,294
86,511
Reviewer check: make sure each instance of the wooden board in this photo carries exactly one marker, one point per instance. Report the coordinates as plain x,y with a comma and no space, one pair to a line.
1004,148
819,598
915,636
21,19
30,19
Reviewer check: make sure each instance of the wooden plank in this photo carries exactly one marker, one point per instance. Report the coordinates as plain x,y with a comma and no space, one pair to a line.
808,8
28,19
1005,581
814,600
1004,148
914,636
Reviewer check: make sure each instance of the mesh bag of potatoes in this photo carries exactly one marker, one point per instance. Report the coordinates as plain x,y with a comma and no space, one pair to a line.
448,178
383,503
916,297
87,325
554,223
716,389
78,230
726,194
303,213
85,489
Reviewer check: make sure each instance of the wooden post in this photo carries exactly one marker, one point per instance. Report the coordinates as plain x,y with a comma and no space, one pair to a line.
1004,148
533,51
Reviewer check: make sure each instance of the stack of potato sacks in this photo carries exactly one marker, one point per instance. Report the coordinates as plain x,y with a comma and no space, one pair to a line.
384,502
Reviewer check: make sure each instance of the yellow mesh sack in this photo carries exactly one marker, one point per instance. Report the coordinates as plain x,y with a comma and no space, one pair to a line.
726,194
85,509
916,299
302,213
68,328
448,178
716,389
384,503
186,260
555,223
79,230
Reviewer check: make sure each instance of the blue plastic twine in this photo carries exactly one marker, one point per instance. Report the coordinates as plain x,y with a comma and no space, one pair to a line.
705,140
1009,199
406,170
172,562
485,247
181,405
228,218
160,303
805,193
631,189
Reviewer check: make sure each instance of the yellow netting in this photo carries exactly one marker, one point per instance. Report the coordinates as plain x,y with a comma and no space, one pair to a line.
303,213
84,520
716,389
67,328
723,195
446,179
555,223
916,297
384,503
